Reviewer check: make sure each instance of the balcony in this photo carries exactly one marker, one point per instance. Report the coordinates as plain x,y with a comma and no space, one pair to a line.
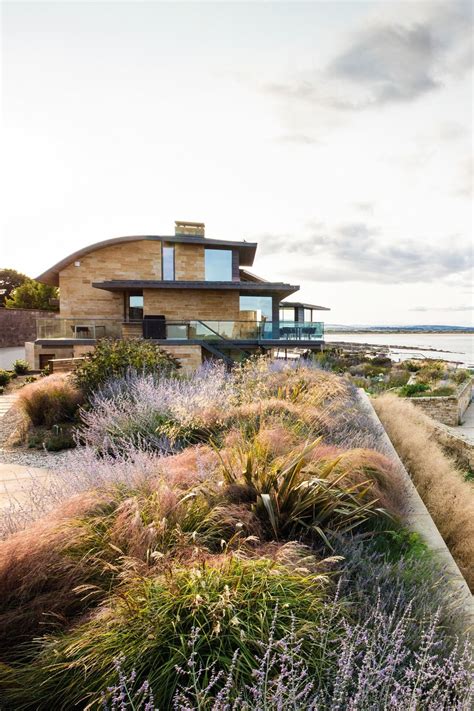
90,329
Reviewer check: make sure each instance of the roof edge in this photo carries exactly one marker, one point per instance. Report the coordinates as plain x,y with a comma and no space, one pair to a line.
51,275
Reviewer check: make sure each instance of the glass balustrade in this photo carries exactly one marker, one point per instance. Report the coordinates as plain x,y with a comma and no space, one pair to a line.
77,328
93,329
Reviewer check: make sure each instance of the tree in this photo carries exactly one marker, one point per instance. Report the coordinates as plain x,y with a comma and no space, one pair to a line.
9,279
33,295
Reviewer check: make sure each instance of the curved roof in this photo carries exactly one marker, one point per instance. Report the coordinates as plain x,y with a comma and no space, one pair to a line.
246,251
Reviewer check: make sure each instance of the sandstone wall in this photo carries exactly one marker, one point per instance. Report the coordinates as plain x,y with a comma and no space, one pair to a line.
207,305
448,410
132,260
19,325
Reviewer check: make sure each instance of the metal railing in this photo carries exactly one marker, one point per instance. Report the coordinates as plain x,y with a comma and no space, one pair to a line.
193,329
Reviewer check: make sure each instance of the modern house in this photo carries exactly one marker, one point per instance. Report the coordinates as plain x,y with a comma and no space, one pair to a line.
190,294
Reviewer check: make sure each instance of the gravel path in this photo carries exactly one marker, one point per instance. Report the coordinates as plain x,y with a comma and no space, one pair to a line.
10,420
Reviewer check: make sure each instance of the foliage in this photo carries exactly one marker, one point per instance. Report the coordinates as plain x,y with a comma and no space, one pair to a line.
461,375
10,279
115,358
412,366
54,440
50,401
21,367
413,389
445,391
296,497
5,377
375,667
190,568
151,620
32,294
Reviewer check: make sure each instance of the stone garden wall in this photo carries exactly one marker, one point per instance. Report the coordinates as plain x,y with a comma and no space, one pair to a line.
448,410
19,325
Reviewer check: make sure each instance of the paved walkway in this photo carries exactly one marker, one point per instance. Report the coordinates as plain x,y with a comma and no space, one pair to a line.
6,401
466,430
16,481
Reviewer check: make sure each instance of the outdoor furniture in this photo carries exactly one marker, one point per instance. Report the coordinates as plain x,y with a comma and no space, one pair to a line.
84,330
288,331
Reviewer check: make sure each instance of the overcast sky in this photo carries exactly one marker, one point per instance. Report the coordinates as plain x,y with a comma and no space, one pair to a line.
336,134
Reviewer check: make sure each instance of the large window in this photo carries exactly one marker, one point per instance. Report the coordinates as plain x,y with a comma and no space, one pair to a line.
167,261
218,264
256,308
287,314
135,307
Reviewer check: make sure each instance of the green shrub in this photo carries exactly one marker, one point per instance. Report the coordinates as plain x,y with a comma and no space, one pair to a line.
21,367
460,376
54,441
412,366
397,378
432,371
230,604
413,389
30,379
50,401
5,377
381,360
114,358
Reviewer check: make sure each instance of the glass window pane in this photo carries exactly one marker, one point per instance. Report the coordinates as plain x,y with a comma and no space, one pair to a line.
308,315
256,308
135,307
168,262
287,314
218,265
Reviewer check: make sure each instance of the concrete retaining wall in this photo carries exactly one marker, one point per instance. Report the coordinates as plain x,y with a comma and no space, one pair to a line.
457,444
448,410
418,519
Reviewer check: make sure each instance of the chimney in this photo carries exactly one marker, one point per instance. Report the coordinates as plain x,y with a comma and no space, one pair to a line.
189,229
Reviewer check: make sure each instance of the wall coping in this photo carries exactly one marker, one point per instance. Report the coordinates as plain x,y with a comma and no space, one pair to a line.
442,398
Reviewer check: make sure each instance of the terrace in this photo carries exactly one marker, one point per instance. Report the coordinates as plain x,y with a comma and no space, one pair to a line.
87,329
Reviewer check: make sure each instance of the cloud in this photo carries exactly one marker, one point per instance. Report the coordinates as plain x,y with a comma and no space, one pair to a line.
301,139
426,309
390,62
358,252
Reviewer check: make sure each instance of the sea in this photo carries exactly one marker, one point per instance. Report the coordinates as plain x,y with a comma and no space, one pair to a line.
455,347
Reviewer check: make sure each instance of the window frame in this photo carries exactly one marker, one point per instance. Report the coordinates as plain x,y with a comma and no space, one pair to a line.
171,246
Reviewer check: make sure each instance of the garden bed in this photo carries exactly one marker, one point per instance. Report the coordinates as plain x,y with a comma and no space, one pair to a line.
227,540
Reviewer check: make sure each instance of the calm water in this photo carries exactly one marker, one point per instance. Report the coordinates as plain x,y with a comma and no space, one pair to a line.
448,346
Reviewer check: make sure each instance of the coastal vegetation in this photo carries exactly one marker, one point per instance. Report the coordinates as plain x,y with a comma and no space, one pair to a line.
377,373
222,540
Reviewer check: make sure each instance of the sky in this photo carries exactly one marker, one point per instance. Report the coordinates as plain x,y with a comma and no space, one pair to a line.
338,135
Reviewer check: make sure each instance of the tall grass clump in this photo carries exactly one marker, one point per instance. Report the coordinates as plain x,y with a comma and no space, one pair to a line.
50,401
448,498
151,620
374,668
